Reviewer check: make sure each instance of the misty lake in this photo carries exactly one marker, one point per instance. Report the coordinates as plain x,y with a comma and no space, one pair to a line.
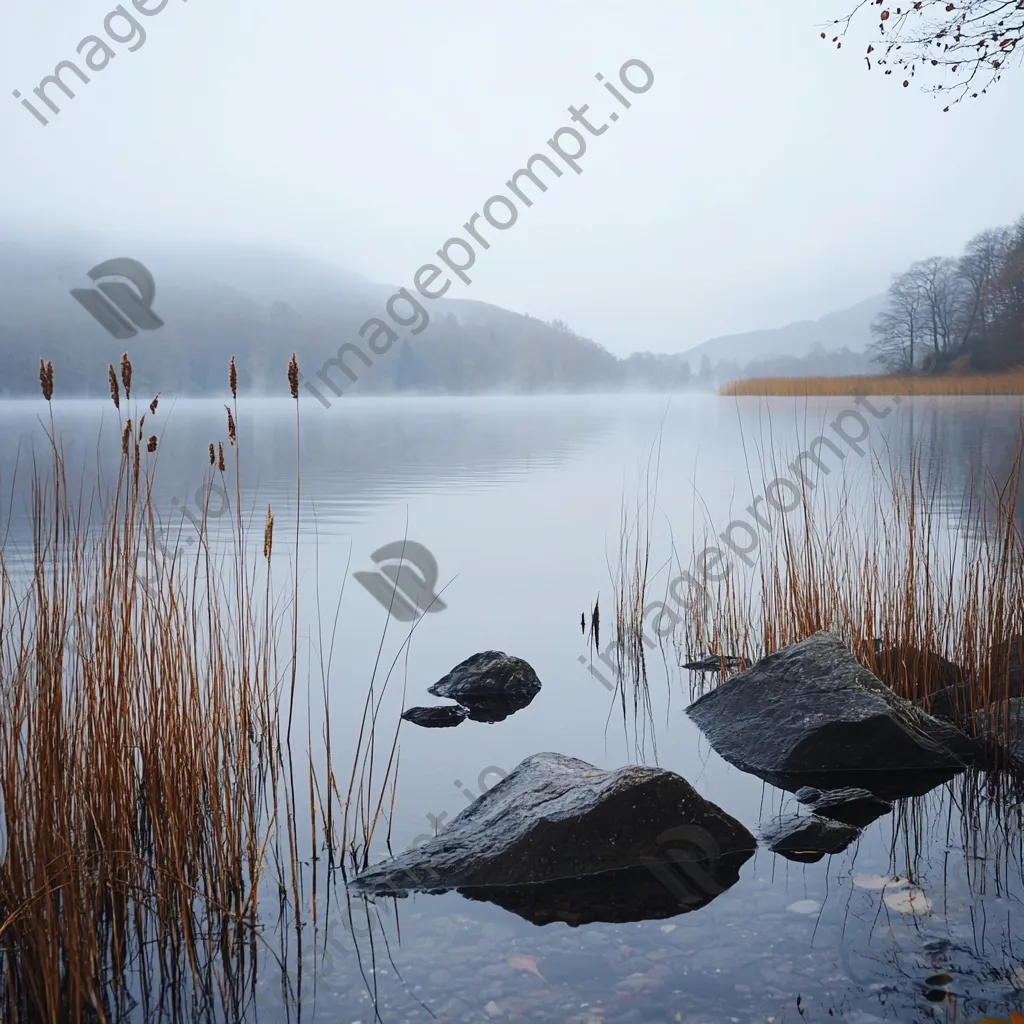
521,501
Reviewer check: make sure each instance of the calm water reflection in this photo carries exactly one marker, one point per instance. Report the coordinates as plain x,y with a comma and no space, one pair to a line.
520,500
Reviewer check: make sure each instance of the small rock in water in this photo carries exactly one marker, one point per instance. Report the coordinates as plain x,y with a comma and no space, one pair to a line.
714,663
807,839
851,806
804,907
491,686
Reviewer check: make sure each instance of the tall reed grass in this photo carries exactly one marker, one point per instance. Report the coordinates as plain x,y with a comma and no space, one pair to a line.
884,571
148,800
926,595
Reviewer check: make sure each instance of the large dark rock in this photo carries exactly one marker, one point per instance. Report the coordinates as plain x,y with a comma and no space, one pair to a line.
491,685
851,806
1004,668
961,698
936,684
443,717
807,839
952,704
555,818
916,673
812,715
1001,727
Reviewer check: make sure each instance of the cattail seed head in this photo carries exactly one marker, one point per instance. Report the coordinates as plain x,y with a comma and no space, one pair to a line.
125,437
151,443
268,534
293,376
126,375
153,404
233,378
213,455
232,432
115,391
46,379
220,456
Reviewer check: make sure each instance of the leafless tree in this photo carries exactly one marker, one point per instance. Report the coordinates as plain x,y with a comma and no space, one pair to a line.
940,291
966,45
981,264
898,329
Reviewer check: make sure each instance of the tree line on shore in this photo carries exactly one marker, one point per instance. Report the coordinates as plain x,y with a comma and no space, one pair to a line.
957,314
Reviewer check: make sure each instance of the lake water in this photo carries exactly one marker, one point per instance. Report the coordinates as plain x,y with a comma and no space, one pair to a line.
521,502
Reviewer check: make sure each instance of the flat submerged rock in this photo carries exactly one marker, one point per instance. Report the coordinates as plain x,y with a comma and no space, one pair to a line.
442,717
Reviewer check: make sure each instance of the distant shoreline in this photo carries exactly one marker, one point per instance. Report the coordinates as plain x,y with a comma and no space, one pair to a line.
1009,383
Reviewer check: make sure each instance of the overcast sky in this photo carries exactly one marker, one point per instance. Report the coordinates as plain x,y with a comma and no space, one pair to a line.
763,178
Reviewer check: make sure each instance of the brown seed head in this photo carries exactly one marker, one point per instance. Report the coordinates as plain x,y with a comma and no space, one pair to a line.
220,456
126,375
213,455
125,437
151,443
232,432
115,391
153,404
233,378
268,534
293,376
46,379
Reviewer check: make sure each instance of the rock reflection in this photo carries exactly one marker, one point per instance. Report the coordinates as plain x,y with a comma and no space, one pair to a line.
658,890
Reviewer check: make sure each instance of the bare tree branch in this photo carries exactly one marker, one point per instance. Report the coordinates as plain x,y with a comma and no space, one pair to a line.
966,45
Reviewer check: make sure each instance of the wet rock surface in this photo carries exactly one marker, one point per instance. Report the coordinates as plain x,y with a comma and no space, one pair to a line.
442,717
491,685
812,715
555,818
806,838
849,805
913,670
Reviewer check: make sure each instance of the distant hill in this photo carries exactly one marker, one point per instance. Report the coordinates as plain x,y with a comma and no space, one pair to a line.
849,328
261,306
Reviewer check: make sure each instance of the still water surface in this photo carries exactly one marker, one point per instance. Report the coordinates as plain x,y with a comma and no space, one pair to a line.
521,501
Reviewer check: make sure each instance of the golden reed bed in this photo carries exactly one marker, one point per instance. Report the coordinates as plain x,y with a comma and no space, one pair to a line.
965,384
